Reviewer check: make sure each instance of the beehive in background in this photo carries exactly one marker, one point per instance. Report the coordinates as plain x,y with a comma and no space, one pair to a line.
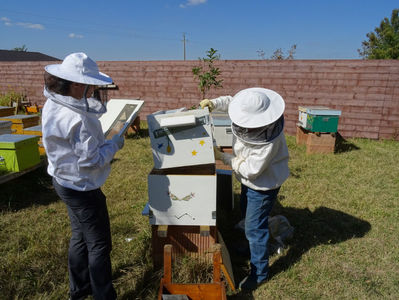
6,111
5,127
318,118
20,122
18,152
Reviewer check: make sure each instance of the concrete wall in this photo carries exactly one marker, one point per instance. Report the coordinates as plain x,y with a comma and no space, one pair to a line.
366,91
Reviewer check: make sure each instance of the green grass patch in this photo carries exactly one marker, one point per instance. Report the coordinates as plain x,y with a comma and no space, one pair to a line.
344,208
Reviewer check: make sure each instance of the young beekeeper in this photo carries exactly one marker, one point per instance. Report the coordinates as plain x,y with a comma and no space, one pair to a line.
260,163
79,161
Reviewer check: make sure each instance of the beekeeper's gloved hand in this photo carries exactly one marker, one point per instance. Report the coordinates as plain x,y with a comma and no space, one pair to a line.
207,103
218,153
118,140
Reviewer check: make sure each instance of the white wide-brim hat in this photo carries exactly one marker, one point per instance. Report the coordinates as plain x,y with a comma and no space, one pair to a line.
78,67
256,107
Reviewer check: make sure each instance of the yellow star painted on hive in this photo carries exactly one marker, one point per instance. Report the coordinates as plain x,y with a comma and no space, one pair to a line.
202,142
194,153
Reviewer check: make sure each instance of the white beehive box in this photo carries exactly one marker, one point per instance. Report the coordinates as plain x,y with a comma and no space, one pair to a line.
182,199
222,129
182,138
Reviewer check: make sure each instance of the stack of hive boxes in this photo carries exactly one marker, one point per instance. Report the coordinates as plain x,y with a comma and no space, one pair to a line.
182,184
18,149
317,127
21,122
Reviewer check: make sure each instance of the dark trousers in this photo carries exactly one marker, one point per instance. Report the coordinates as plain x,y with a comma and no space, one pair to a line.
89,262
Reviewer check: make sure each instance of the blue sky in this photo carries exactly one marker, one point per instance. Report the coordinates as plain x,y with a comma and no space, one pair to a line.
153,29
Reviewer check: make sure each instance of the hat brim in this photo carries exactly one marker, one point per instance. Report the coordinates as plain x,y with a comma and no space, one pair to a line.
269,116
96,79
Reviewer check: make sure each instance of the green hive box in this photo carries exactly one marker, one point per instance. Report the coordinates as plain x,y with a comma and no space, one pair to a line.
18,152
318,118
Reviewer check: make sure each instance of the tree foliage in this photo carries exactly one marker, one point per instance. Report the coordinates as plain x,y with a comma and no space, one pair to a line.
278,54
23,48
383,43
206,73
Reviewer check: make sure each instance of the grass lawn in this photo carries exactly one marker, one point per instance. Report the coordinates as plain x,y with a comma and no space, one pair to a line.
344,207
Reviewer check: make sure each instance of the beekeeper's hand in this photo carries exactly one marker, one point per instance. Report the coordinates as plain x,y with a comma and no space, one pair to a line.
218,153
207,103
119,141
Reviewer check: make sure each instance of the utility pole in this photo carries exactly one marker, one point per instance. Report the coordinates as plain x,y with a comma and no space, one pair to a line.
184,45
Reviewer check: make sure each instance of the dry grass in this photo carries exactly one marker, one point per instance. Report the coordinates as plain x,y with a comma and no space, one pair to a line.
344,208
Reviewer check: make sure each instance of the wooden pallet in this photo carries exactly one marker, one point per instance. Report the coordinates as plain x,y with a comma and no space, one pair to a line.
210,291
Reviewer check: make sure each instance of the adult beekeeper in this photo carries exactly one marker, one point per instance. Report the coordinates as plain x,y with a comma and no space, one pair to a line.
79,161
259,162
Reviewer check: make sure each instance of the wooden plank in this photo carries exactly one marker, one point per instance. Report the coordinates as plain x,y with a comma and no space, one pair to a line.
226,265
167,264
209,291
217,260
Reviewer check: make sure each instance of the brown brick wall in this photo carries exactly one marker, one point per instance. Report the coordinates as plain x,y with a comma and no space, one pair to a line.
366,91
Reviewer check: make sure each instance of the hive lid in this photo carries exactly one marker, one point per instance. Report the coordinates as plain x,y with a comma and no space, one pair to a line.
319,110
12,141
34,128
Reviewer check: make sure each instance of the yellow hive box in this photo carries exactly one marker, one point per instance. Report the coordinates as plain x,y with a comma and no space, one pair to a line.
19,122
36,130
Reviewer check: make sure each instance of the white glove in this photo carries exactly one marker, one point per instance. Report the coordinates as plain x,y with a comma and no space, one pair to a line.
207,103
118,140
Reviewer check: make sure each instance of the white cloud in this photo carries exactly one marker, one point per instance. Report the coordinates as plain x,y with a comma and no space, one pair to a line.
75,36
30,25
8,22
193,3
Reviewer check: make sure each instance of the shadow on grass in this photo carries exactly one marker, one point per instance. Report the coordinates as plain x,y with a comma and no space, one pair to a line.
342,145
34,188
322,226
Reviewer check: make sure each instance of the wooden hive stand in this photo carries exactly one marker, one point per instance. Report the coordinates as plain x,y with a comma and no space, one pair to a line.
316,142
198,291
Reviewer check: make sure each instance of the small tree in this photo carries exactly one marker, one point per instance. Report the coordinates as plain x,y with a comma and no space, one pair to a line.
207,73
23,48
279,55
261,54
383,43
